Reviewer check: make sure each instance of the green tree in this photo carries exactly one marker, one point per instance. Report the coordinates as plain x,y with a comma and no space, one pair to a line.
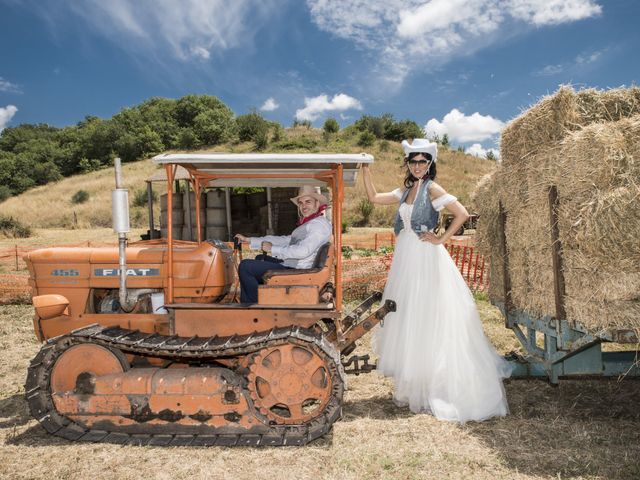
12,138
215,126
402,130
141,143
302,123
33,155
85,165
252,127
160,115
366,139
376,125
331,126
187,138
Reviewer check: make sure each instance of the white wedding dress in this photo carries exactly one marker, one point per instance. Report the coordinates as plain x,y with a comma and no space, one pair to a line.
433,345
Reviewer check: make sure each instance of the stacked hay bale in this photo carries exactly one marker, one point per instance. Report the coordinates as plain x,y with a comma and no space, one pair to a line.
588,145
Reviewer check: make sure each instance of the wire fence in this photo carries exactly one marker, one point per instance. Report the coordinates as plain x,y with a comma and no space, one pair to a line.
361,275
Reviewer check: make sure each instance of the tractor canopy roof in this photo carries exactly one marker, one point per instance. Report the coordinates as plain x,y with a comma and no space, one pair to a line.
261,169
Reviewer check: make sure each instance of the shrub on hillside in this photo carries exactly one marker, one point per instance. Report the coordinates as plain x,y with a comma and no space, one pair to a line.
89,165
402,130
5,192
261,140
140,197
302,123
386,127
376,125
365,207
80,196
13,228
366,139
252,127
278,132
302,143
331,125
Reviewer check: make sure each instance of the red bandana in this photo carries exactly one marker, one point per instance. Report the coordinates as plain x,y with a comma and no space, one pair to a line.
304,220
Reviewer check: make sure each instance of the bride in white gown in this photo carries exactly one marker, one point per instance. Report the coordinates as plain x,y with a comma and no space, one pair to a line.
433,345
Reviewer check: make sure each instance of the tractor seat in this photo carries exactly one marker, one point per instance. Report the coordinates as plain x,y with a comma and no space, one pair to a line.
318,274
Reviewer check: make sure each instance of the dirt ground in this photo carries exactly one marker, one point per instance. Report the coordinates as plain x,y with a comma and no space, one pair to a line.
580,429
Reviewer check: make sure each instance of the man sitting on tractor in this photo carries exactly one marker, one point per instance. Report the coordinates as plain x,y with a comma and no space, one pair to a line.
297,250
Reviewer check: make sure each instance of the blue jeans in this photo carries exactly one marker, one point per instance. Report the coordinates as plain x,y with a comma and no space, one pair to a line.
251,272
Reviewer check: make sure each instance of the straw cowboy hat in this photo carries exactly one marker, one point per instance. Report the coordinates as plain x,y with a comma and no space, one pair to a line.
309,191
421,145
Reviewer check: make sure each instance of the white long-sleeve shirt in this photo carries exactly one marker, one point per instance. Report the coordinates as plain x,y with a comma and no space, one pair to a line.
299,249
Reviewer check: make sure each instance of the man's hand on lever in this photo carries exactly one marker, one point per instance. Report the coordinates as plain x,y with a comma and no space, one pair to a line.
242,238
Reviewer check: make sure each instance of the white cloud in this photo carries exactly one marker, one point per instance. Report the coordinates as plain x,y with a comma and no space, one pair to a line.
6,114
477,150
184,30
553,12
200,52
581,61
7,86
587,58
316,106
269,105
464,128
413,34
549,70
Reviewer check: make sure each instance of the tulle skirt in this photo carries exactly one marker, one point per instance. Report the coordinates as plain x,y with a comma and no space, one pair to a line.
433,345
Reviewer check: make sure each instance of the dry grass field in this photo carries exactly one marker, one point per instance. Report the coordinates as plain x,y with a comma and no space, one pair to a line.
580,429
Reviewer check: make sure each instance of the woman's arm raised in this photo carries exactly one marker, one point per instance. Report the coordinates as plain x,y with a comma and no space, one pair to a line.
387,198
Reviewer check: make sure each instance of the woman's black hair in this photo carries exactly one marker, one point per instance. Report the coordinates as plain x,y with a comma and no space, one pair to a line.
409,179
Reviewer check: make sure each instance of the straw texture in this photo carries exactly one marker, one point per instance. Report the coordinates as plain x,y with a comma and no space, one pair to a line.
588,145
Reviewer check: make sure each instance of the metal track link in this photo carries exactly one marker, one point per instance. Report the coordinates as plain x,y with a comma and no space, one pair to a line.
183,349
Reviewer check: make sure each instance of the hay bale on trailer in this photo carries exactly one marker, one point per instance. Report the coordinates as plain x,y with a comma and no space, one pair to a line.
598,179
587,145
484,200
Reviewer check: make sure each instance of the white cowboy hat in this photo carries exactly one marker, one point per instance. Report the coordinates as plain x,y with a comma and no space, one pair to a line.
421,145
313,192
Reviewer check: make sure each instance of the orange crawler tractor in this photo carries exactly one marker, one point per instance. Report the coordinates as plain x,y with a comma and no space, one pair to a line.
145,344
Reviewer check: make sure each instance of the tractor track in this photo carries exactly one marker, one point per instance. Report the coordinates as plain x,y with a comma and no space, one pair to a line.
183,349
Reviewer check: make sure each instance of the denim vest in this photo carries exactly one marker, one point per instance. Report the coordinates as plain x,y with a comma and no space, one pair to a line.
423,216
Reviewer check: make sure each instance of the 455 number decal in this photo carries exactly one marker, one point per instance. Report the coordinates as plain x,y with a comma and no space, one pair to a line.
59,272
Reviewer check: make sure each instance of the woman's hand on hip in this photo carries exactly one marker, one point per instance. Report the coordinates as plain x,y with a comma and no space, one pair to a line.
431,237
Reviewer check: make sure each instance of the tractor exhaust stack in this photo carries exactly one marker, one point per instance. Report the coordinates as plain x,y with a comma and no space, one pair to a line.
120,214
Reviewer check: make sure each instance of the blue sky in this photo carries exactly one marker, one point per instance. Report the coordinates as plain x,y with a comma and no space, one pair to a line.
464,68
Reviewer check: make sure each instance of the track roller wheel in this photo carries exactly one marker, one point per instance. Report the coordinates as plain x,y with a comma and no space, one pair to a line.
290,384
77,367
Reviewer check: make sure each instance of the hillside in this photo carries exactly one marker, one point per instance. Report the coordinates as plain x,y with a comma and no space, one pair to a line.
51,206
